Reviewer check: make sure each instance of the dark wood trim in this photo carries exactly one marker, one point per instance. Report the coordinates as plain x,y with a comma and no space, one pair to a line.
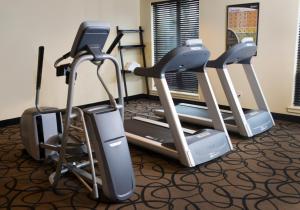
286,117
16,121
277,116
130,98
9,122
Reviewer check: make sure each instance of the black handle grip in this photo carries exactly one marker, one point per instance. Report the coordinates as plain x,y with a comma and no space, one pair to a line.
114,43
40,67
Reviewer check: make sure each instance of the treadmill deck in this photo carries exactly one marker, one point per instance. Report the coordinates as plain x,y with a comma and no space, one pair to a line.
150,131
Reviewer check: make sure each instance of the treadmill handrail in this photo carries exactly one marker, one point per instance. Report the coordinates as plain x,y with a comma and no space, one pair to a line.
241,53
184,58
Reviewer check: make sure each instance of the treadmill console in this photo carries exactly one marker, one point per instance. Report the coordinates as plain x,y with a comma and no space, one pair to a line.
90,34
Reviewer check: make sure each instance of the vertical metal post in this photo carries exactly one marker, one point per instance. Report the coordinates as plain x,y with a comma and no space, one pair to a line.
119,80
180,142
234,102
90,153
68,114
212,104
255,87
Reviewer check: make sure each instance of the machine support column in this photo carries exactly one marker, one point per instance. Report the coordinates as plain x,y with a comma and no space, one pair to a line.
172,118
212,105
234,102
65,134
255,87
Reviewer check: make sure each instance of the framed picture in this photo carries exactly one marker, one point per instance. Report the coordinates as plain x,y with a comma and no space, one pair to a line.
242,21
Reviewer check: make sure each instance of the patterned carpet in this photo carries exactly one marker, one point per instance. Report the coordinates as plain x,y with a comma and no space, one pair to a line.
262,173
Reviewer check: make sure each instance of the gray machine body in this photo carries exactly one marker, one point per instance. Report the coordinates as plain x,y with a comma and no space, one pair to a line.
103,125
38,128
208,145
204,145
89,34
107,135
259,121
189,146
247,123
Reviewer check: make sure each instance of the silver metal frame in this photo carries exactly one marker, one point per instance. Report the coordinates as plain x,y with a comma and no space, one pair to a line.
233,99
242,126
256,88
62,165
181,145
234,102
182,151
212,105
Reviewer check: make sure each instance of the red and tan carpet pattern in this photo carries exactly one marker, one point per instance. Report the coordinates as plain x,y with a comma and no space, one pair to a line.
261,173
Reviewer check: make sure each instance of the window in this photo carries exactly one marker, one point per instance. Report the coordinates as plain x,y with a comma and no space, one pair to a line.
297,87
174,22
297,81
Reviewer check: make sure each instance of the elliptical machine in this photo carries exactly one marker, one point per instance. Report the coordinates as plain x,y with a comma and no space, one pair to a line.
104,142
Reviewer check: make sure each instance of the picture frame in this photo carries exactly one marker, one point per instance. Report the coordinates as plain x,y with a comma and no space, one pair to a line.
242,21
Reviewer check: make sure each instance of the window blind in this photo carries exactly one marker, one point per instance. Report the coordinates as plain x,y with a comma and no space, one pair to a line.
297,80
174,22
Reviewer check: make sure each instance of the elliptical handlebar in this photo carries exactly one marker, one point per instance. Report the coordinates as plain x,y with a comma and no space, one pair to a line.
119,81
98,58
39,76
114,43
88,57
40,67
109,50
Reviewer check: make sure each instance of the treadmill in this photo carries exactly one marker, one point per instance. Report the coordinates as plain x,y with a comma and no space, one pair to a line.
245,122
190,147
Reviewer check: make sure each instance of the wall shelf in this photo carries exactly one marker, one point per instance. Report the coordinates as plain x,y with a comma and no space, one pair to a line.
140,46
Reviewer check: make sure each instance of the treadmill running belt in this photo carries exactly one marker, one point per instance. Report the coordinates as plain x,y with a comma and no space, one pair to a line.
197,112
150,131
